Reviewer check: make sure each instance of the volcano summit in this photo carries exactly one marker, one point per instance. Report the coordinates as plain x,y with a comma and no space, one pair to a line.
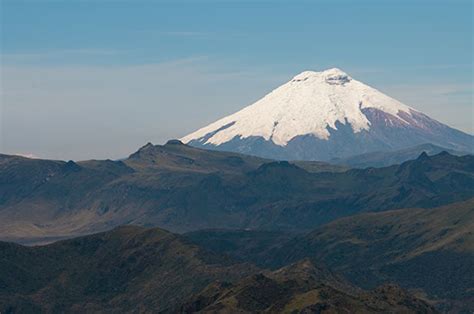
325,115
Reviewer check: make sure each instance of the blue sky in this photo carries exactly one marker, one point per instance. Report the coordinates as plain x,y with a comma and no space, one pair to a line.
97,79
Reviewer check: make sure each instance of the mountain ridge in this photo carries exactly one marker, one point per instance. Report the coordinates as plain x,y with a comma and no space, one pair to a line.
388,158
181,188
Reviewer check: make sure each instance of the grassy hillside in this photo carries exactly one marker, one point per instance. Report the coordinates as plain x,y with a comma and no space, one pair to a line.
128,268
133,269
302,288
428,250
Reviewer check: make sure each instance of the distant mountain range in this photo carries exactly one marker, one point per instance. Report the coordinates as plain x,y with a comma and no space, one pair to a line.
322,116
389,158
182,188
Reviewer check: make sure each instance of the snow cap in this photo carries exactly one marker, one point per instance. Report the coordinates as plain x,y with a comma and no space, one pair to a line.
333,76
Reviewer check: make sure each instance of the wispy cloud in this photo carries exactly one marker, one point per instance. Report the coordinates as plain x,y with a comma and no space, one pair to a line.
173,33
421,90
41,56
409,68
185,33
191,34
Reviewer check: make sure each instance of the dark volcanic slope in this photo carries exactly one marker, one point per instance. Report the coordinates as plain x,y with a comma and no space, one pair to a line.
181,188
129,268
301,288
431,250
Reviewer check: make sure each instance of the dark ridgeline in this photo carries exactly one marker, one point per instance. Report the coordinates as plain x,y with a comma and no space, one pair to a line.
181,189
389,158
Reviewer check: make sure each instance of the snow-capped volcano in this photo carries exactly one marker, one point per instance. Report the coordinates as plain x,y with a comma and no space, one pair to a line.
323,115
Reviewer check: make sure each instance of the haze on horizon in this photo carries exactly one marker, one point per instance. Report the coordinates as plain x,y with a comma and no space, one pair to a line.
83,80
